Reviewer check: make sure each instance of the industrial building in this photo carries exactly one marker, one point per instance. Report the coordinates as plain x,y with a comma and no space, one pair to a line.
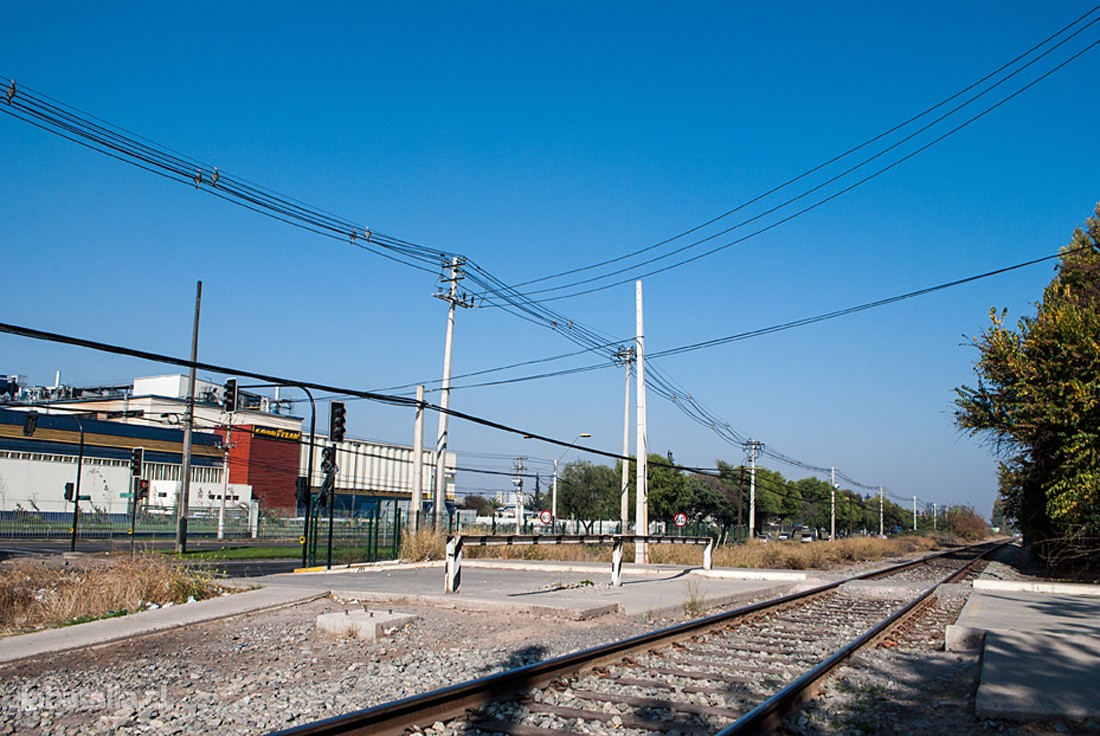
261,445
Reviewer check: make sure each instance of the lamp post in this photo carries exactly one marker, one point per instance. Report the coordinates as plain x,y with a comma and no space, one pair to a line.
554,485
76,491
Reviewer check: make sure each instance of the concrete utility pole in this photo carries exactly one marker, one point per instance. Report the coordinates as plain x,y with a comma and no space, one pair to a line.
188,424
914,513
517,481
832,504
641,510
933,517
881,502
455,300
417,502
752,446
625,355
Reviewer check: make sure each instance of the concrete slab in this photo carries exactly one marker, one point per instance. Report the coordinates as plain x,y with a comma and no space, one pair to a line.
1066,615
1032,676
1040,651
569,590
106,631
367,625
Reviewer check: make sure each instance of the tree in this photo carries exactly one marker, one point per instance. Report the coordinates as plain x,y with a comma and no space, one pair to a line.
588,492
478,504
1037,402
965,522
669,492
817,502
711,499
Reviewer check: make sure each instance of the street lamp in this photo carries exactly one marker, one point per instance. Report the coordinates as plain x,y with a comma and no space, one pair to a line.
554,492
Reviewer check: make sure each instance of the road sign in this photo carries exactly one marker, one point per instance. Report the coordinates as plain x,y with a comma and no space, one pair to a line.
84,498
680,519
545,516
125,495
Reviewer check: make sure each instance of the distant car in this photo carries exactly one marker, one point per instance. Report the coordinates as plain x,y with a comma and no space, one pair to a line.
806,538
784,536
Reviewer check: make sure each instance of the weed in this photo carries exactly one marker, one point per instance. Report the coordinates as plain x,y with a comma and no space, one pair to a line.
694,605
37,594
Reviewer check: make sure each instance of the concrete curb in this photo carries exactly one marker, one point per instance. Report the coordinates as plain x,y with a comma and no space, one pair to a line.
144,623
1025,586
459,603
747,574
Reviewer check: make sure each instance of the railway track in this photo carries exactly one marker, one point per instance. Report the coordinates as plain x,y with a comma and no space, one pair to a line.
731,673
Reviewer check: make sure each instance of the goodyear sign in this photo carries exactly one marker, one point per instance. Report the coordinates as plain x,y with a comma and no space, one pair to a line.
275,433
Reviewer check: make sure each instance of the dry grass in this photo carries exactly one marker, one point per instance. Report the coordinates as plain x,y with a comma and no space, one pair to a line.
772,555
38,594
423,544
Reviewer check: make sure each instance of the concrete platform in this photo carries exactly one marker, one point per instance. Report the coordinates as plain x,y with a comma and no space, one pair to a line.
568,590
1040,650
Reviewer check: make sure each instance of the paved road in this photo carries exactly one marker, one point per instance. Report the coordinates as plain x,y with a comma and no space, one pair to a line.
232,568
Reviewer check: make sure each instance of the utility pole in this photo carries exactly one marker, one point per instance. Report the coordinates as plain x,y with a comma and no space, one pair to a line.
188,424
933,517
752,447
517,481
914,513
454,299
740,497
881,501
416,502
625,356
832,504
641,510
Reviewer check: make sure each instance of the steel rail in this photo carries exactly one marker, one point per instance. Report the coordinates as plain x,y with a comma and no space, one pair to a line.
766,715
398,716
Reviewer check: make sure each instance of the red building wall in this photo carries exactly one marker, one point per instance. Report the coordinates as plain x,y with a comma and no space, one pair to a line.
268,461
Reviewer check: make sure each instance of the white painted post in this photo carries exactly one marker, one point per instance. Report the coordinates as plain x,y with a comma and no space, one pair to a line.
707,559
617,562
454,564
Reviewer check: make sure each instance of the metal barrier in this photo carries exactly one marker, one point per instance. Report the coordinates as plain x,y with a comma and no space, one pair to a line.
456,542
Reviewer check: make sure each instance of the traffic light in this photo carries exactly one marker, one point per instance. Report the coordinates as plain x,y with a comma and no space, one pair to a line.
301,491
142,489
229,395
69,491
328,459
30,423
339,421
137,457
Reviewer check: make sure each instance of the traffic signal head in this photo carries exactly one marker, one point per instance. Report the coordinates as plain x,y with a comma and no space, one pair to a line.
338,422
30,423
68,491
328,459
137,457
229,395
142,489
301,491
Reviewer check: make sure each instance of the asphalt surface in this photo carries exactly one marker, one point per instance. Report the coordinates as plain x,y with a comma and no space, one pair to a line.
236,568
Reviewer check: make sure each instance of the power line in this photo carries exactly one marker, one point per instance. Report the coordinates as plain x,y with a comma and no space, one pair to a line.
831,180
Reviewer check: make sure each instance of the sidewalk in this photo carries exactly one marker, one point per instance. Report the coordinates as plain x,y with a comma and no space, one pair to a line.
106,631
1040,646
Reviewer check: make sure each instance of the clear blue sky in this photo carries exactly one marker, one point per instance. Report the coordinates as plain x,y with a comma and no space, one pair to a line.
535,138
